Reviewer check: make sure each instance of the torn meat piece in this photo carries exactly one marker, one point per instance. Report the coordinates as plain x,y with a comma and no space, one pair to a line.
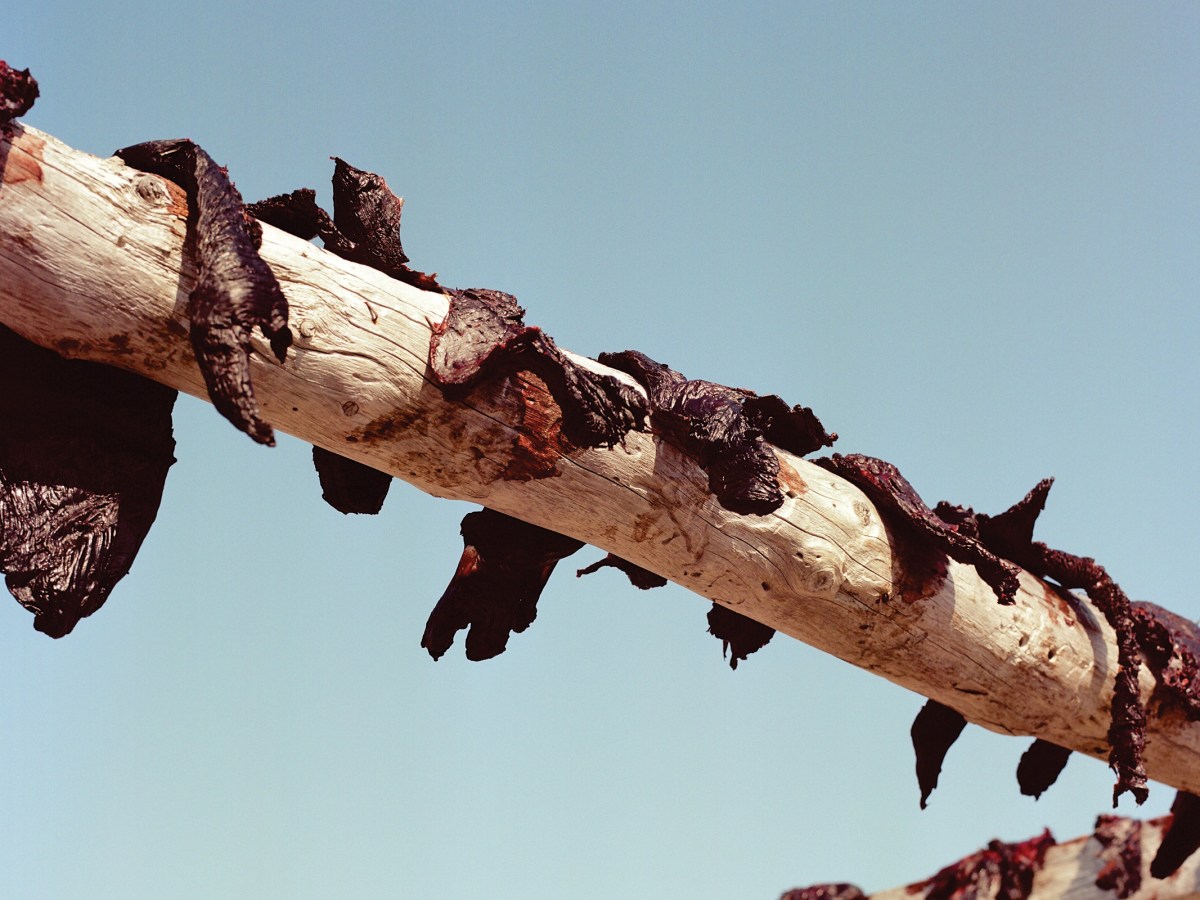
727,430
494,592
1004,871
1010,534
934,731
1127,731
1040,767
18,91
825,892
348,485
1120,854
484,334
1170,645
1182,838
296,213
891,492
365,227
84,453
640,578
235,290
739,635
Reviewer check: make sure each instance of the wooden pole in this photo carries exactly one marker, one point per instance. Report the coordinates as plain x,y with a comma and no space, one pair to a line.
93,265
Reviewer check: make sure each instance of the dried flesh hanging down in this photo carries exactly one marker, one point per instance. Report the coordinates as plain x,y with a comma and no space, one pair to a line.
346,484
18,91
825,892
84,453
484,335
494,592
642,579
235,290
349,486
1182,838
739,635
934,731
727,429
1010,534
1004,871
1040,767
1120,855
899,501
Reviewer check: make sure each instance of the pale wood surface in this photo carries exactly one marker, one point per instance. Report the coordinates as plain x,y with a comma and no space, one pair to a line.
92,264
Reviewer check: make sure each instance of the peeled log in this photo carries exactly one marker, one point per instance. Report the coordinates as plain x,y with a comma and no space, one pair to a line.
92,265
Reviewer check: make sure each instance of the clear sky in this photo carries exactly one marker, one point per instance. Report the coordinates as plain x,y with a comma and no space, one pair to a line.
965,234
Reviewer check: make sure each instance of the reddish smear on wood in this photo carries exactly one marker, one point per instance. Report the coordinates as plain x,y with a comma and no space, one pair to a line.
1182,837
25,164
933,732
727,430
235,290
640,578
18,91
1000,870
484,335
539,444
1120,854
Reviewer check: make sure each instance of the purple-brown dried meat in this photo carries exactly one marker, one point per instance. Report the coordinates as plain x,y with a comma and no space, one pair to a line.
18,91
642,579
84,453
1040,767
494,592
727,430
235,290
899,500
1182,838
484,335
1004,871
739,635
934,731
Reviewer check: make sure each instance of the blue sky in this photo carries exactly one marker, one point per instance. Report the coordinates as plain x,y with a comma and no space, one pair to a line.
965,234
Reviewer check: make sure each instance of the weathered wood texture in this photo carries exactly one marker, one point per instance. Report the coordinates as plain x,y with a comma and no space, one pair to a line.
93,264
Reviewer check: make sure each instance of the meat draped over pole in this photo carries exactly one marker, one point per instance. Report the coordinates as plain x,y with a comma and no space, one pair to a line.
691,481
